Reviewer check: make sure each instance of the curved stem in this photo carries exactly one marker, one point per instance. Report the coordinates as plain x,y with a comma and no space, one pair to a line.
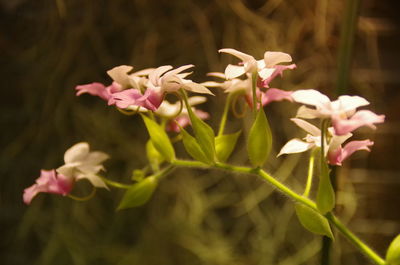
85,198
293,195
310,172
116,184
225,114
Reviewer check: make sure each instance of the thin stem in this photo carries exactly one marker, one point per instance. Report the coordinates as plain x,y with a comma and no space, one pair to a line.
366,250
85,198
293,195
254,92
310,172
225,114
115,184
165,171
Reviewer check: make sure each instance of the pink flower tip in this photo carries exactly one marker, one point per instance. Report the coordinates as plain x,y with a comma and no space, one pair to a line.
49,182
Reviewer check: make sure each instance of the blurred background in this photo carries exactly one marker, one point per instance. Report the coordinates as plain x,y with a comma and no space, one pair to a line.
195,217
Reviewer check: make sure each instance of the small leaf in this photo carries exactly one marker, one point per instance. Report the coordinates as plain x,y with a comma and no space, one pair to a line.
224,145
137,175
154,157
193,148
139,194
259,143
204,135
313,221
325,194
393,252
159,138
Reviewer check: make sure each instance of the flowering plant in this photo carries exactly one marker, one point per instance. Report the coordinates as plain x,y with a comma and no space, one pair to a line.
144,93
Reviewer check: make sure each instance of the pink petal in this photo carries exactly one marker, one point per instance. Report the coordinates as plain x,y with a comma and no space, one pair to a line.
336,157
95,89
274,94
49,182
278,71
359,119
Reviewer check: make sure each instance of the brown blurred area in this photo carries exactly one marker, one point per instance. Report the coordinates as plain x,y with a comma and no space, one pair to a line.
196,217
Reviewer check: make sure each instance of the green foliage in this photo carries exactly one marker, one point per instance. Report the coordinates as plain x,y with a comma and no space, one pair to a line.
139,194
325,194
224,145
159,139
393,252
259,143
137,175
313,221
193,148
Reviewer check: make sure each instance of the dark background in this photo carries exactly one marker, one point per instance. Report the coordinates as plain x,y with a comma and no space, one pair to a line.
196,217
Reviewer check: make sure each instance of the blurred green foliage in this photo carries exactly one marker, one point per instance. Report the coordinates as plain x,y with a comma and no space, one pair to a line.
196,217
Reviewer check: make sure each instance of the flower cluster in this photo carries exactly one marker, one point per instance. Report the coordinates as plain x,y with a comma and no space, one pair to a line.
80,163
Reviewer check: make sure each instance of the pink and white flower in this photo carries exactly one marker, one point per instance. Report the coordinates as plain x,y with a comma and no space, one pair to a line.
49,182
334,151
342,111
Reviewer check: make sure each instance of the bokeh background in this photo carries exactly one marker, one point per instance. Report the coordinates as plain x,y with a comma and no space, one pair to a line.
195,217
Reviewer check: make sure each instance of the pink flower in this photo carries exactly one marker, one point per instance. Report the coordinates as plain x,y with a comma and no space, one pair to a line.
342,111
132,98
278,71
49,182
334,151
98,89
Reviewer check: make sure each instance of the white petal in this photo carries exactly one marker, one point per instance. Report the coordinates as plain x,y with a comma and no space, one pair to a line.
95,180
349,103
295,146
76,153
154,76
167,109
308,127
197,88
337,141
266,72
274,58
212,84
67,170
120,74
310,97
243,56
96,157
217,74
144,72
196,100
233,71
307,113
179,69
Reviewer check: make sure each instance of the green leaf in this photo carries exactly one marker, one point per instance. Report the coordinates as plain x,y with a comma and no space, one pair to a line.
204,135
325,194
393,252
154,157
159,138
137,175
193,148
139,194
259,143
313,221
224,145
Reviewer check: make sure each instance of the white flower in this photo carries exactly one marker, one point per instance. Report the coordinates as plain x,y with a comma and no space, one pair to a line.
230,85
136,80
80,163
264,67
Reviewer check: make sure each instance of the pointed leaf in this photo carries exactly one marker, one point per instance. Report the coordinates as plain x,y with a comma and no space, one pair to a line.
325,194
159,138
260,140
193,148
313,221
393,252
139,194
204,135
224,145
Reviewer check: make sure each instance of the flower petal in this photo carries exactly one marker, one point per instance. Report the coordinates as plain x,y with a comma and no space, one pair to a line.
273,58
308,127
266,73
120,74
310,97
359,119
233,71
348,103
274,94
197,88
295,146
243,56
337,156
307,113
94,179
154,76
76,153
278,70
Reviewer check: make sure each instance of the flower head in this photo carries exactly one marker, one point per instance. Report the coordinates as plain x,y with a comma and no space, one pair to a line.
49,182
334,150
342,111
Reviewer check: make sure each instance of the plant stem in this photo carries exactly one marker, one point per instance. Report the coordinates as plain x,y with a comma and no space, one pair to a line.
225,114
293,195
310,172
116,184
254,92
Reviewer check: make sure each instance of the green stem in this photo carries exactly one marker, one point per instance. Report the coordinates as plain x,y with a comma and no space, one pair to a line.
225,114
254,92
310,172
366,250
116,184
164,171
290,193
